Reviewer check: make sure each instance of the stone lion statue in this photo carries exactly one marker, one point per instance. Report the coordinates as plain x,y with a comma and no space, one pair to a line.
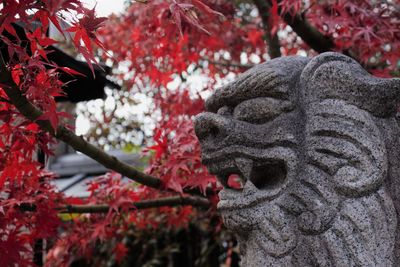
316,143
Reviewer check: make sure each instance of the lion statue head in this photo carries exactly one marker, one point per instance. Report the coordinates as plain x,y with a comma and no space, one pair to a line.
316,144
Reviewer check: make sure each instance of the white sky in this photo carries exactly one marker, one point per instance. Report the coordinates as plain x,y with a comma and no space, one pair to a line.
106,7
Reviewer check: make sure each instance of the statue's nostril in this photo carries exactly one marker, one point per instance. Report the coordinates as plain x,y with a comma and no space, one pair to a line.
213,131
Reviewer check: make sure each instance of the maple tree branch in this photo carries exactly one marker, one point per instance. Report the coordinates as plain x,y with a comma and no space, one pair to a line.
144,204
272,40
300,25
78,143
309,34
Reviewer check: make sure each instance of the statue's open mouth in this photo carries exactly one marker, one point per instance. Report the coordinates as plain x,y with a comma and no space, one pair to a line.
266,175
257,180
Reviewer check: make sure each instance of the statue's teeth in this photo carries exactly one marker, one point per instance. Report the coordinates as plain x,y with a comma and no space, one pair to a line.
244,165
223,180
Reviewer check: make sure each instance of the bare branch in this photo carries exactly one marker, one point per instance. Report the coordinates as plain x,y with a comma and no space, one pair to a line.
145,204
272,40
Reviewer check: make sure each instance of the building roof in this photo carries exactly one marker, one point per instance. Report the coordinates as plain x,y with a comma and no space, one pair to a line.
76,170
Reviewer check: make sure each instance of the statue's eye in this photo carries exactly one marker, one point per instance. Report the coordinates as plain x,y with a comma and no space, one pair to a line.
261,110
225,111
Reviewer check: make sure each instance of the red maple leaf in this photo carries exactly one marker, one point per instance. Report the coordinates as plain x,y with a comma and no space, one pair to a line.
120,251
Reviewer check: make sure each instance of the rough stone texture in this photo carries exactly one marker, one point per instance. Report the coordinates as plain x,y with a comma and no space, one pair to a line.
316,143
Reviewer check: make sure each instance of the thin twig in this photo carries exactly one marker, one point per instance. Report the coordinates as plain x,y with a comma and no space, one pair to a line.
145,204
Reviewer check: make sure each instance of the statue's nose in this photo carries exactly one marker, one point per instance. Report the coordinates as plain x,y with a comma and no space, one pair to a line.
209,125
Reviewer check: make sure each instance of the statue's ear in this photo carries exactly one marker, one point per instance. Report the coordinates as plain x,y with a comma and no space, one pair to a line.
335,76
340,100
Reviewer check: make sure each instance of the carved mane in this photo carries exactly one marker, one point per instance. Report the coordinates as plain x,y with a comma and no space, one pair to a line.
351,218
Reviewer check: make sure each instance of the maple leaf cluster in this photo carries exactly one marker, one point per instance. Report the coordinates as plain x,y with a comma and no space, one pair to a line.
163,40
28,201
366,30
82,234
23,184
